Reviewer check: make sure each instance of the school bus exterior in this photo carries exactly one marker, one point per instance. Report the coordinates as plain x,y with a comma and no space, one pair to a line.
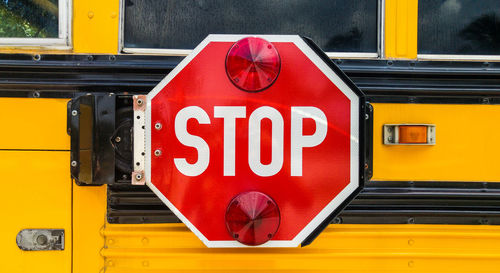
427,208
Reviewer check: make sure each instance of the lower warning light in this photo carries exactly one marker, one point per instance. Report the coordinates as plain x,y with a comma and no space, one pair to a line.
252,218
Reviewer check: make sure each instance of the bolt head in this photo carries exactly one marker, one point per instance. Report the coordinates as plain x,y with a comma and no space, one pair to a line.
138,176
42,239
139,102
74,113
157,152
118,139
73,163
158,126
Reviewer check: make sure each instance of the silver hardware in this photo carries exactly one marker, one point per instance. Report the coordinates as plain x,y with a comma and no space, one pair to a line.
74,163
74,113
139,140
40,239
157,152
157,126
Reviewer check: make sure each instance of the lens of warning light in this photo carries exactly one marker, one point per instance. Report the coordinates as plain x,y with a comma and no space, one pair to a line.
252,218
253,64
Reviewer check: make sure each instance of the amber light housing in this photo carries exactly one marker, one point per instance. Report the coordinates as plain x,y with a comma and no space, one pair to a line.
253,64
252,218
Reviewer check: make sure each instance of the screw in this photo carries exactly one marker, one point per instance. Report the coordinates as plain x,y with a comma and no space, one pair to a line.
157,126
74,113
118,139
73,163
36,57
138,177
139,102
367,116
158,152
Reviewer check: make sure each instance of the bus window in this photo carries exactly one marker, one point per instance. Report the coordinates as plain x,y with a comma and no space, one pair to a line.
34,23
460,27
336,26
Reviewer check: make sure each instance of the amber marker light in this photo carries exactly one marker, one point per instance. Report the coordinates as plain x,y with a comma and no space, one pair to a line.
409,134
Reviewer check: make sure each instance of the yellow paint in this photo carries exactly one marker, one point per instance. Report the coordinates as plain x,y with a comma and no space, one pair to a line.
95,26
466,143
89,214
401,19
340,248
33,124
36,193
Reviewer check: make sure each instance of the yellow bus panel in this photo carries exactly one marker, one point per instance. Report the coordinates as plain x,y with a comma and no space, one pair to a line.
34,124
36,195
466,146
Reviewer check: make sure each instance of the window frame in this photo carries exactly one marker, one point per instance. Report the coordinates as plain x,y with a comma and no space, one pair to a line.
62,42
184,52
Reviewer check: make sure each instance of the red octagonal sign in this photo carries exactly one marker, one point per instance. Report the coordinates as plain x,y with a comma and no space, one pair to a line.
255,140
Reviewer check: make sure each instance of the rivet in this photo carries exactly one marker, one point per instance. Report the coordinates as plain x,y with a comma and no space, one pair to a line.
139,102
111,263
118,139
411,242
411,264
74,163
111,241
157,126
367,116
158,152
145,241
138,177
113,14
74,113
90,14
145,263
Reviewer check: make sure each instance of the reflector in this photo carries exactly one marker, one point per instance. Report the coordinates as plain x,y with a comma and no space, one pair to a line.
412,134
252,218
253,64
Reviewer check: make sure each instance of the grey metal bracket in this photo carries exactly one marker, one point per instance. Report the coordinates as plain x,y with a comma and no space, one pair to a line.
40,239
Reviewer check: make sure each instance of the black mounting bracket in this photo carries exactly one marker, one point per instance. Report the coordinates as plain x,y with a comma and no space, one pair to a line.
91,125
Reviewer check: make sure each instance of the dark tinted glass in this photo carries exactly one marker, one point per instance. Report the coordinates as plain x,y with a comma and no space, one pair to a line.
459,27
29,19
342,26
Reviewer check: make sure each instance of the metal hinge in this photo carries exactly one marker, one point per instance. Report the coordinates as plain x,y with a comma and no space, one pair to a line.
138,177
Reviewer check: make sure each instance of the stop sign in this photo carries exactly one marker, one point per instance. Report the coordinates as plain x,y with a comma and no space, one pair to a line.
255,140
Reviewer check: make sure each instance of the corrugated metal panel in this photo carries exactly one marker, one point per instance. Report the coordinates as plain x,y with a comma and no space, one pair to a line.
340,248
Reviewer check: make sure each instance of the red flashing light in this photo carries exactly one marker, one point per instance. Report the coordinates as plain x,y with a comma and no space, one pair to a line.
252,218
253,64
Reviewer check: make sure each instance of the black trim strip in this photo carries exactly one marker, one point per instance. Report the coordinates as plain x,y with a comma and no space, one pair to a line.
380,202
58,75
